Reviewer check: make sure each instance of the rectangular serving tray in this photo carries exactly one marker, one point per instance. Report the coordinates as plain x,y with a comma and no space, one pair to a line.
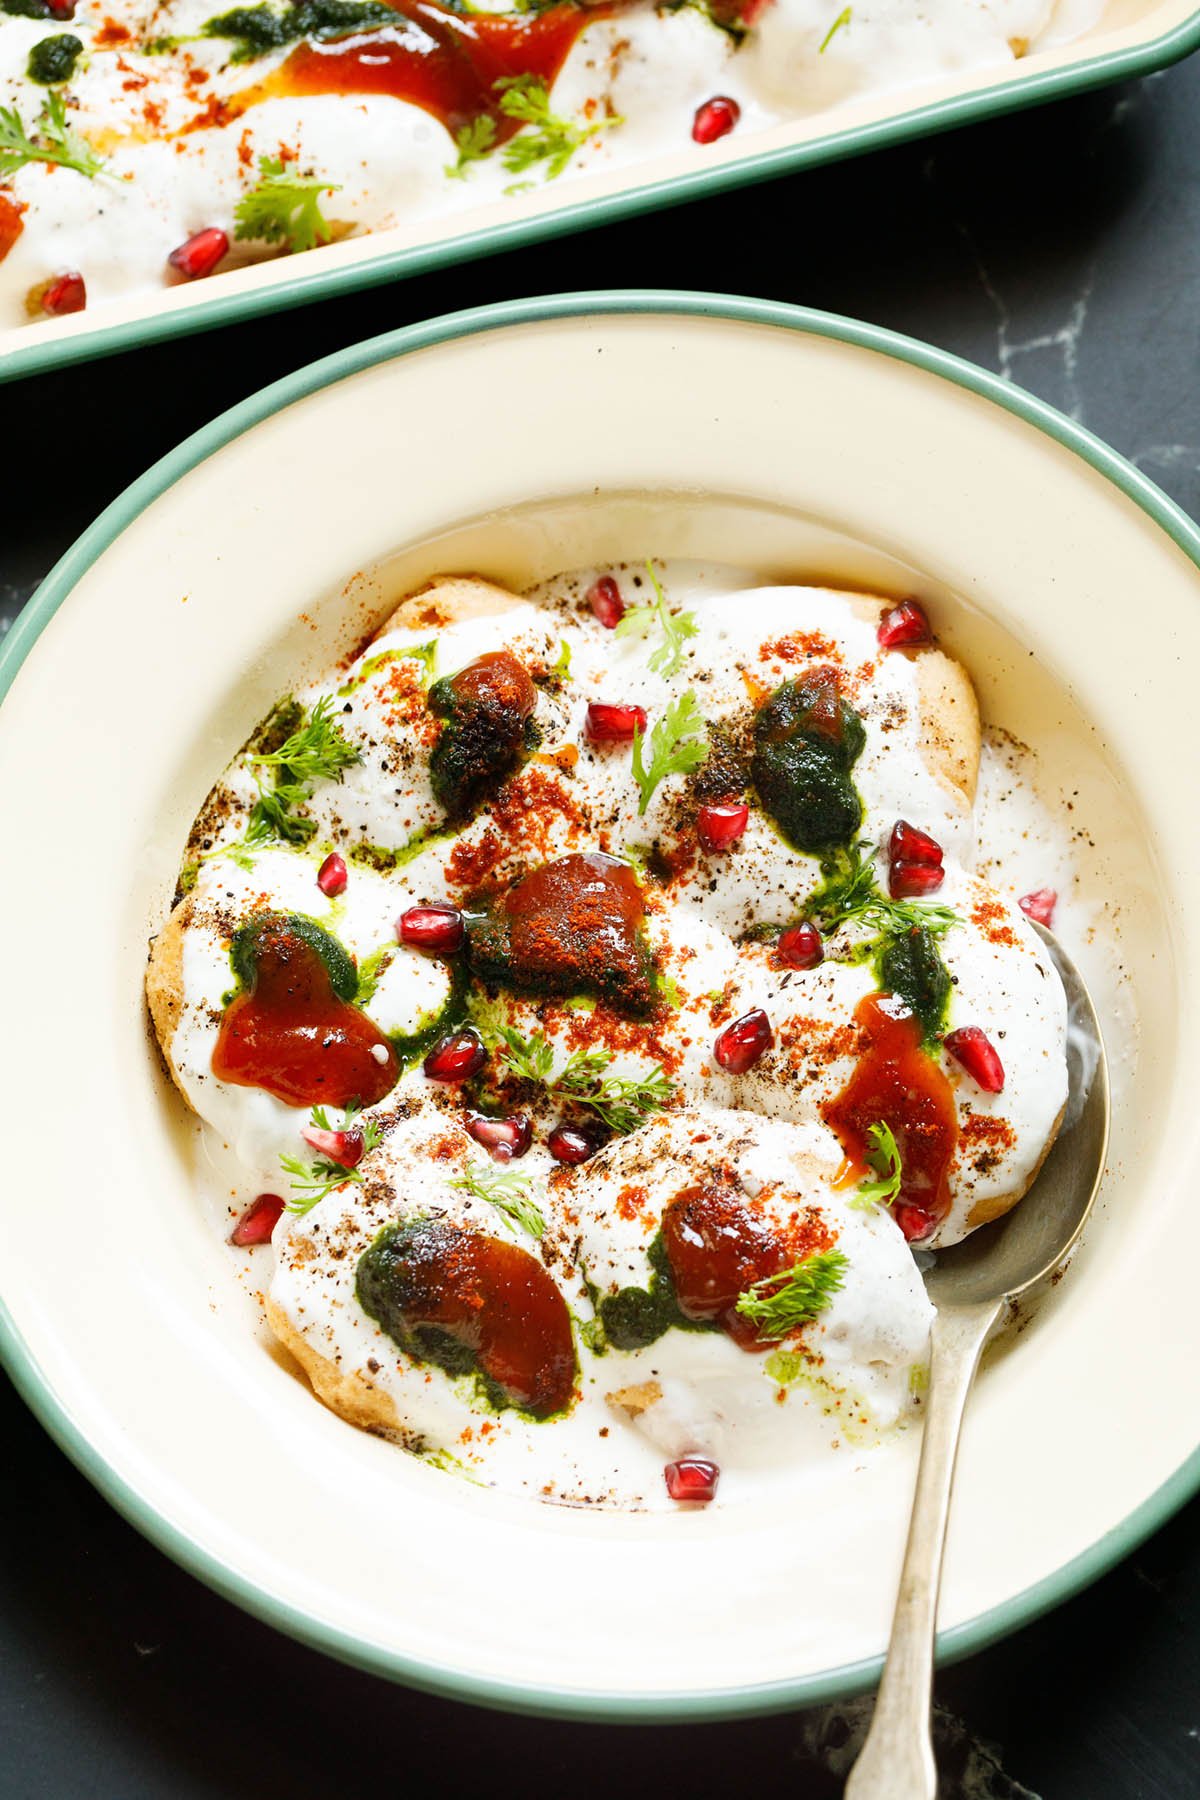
1131,38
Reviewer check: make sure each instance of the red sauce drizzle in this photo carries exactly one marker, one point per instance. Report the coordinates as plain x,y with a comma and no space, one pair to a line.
445,62
717,1248
499,1301
897,1083
496,680
293,1036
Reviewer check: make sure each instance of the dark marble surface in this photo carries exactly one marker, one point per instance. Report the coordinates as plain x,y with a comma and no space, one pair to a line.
1061,248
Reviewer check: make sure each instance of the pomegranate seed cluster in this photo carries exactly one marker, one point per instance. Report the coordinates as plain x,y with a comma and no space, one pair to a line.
615,921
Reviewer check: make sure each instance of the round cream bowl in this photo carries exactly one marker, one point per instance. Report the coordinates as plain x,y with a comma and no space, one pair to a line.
518,441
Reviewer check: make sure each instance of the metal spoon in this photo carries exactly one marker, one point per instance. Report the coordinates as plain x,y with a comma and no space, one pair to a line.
970,1285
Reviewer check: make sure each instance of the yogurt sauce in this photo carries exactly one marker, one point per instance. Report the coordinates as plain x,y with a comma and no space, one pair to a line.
181,125
712,1396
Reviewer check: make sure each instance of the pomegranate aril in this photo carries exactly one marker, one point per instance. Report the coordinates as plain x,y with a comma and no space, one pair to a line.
912,880
1039,905
904,626
571,1144
342,1147
692,1478
503,1139
456,1057
722,824
609,724
604,598
66,293
61,9
800,947
913,1221
258,1221
741,1044
332,876
438,927
975,1051
715,119
910,844
201,253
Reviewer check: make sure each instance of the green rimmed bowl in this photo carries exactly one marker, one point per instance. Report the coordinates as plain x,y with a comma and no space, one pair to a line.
685,425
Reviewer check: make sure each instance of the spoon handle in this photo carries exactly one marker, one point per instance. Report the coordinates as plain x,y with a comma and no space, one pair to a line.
896,1761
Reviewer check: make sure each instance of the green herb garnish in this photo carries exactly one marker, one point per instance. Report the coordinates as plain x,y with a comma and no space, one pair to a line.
473,141
781,1303
842,20
653,615
284,209
622,1103
313,1181
315,751
528,1058
505,1189
883,1157
53,141
851,895
549,139
677,746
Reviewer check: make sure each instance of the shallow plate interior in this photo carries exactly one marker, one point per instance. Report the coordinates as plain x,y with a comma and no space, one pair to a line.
804,453
1128,39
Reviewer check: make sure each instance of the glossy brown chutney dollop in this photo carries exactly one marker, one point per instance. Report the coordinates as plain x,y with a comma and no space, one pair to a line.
444,61
717,1247
485,708
574,926
898,1083
473,1304
292,1034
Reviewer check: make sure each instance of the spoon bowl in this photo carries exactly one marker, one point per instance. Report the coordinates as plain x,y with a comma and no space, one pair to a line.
971,1284
1010,1256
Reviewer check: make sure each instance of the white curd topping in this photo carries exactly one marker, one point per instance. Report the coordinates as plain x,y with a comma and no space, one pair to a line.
768,1134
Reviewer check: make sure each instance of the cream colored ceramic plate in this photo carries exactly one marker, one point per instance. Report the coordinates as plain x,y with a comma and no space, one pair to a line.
1129,39
519,442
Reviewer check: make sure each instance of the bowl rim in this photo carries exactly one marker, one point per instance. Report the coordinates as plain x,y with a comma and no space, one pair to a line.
996,99
70,1433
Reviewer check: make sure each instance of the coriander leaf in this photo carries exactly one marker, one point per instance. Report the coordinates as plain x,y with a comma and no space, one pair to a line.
473,142
312,1182
676,628
548,139
677,745
622,1103
530,1059
781,1303
316,751
284,209
506,1190
53,141
842,20
851,895
883,1156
